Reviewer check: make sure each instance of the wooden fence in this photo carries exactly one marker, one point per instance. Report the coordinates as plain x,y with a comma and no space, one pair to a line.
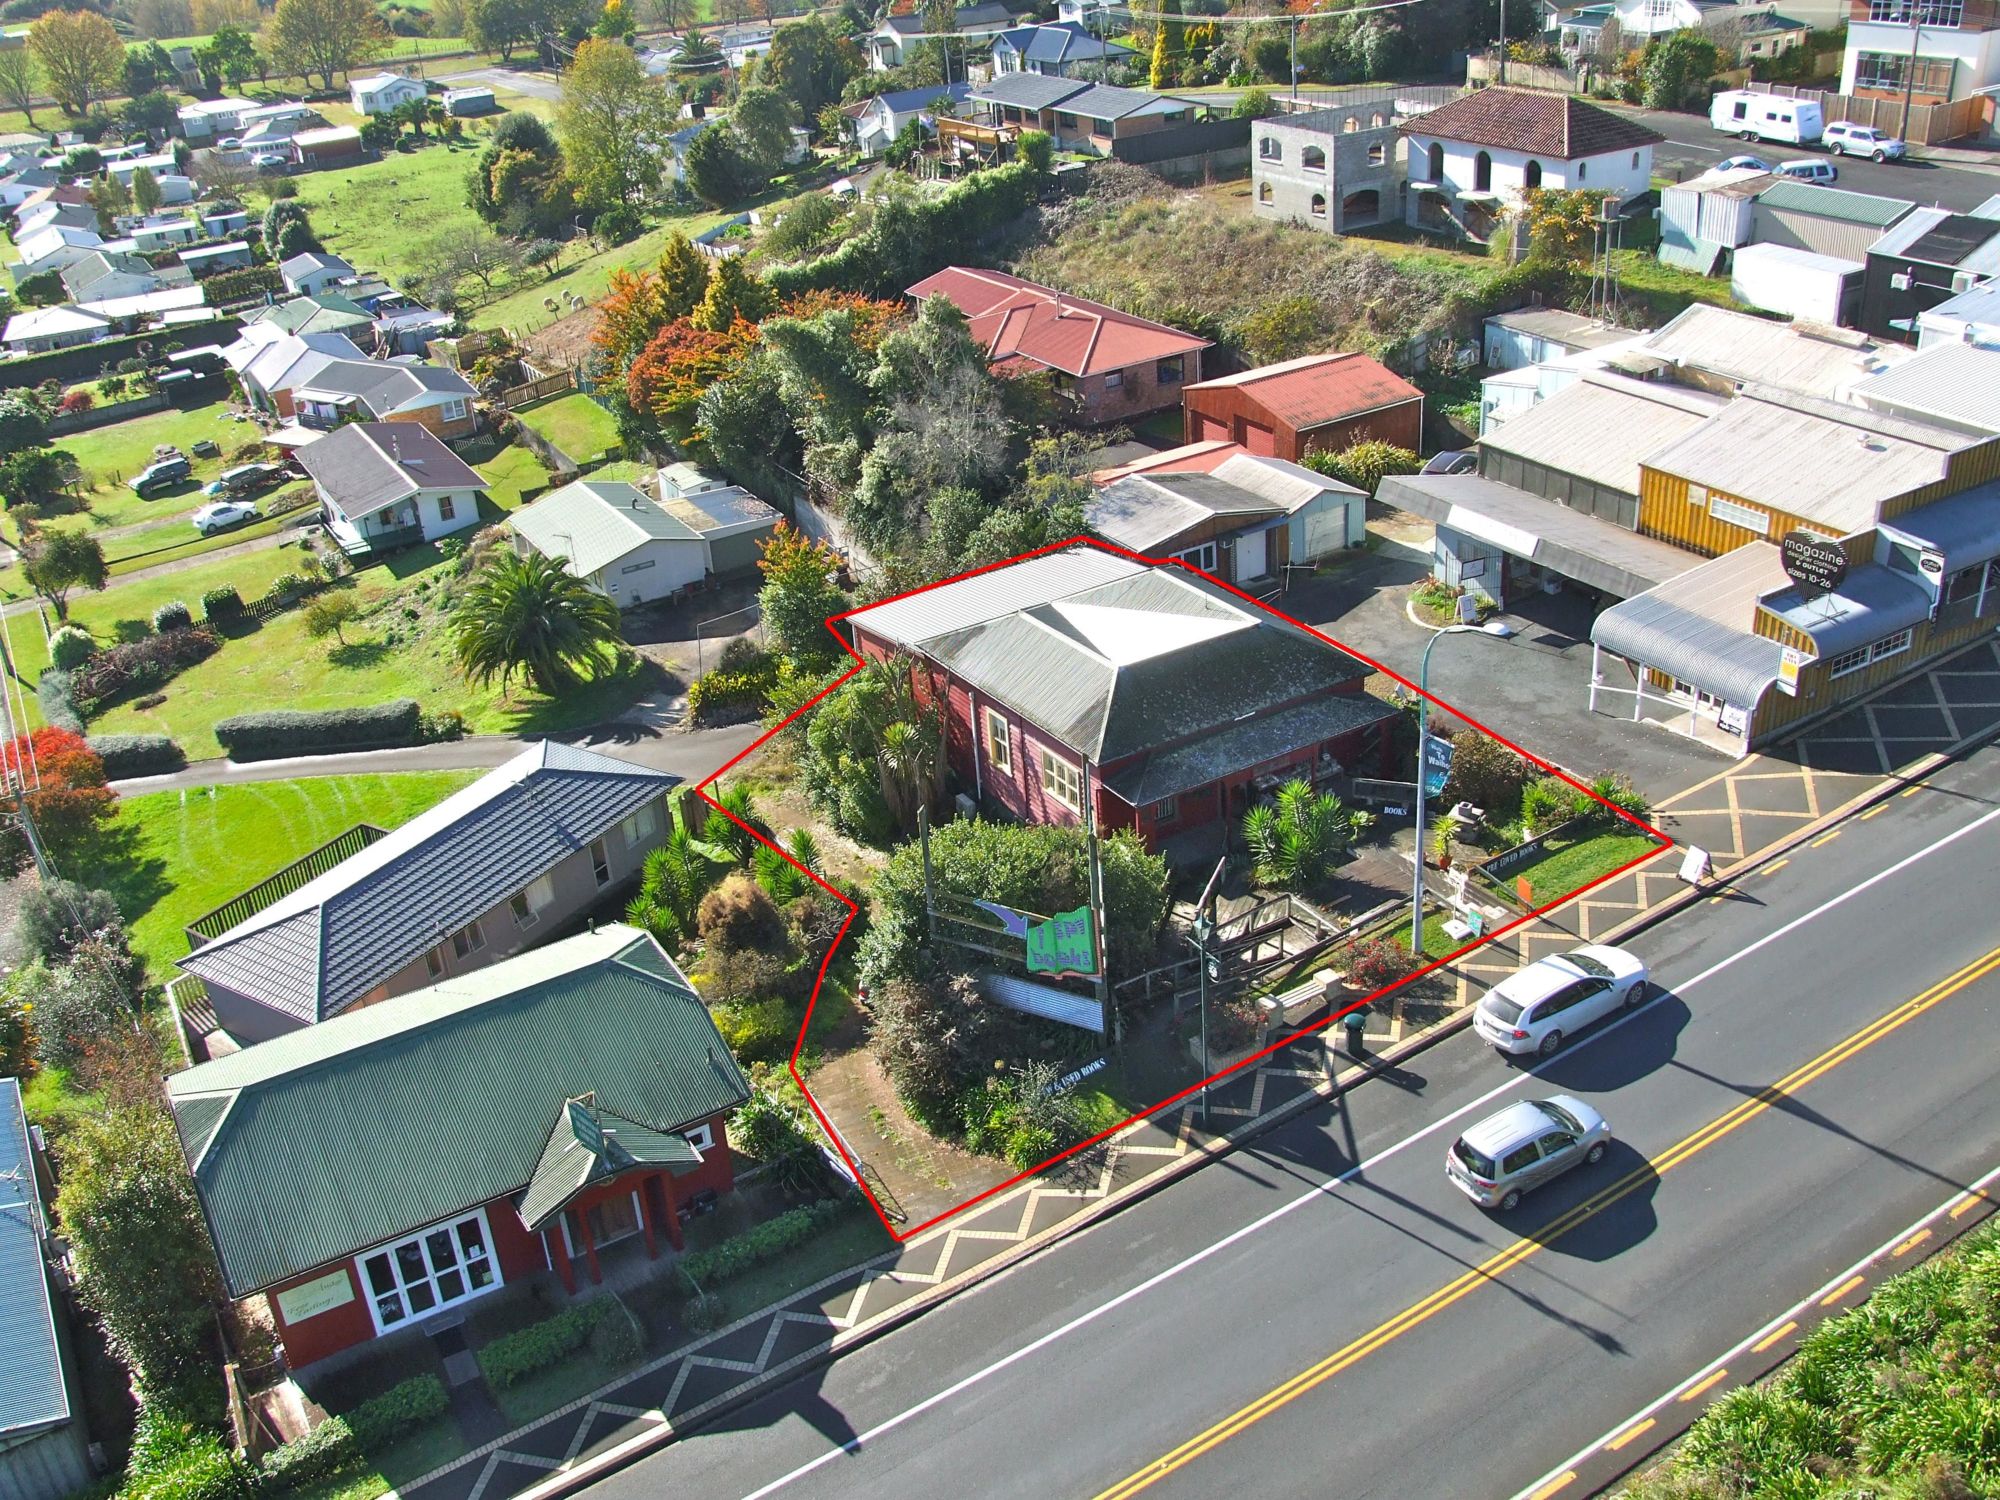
211,925
515,397
565,467
1929,124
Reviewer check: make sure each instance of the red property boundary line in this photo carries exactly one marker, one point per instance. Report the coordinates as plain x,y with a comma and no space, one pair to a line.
798,1046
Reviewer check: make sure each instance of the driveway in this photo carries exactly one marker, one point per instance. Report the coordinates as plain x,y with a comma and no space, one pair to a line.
535,85
1532,689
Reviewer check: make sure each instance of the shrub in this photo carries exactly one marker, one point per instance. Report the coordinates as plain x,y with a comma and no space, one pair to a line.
1549,800
204,1470
141,665
1376,963
288,586
767,1241
704,1313
1365,464
445,724
1487,774
138,754
56,700
739,914
173,615
616,225
222,603
1617,789
246,281
70,647
724,694
58,915
384,1418
513,1357
757,1031
617,1338
325,1451
276,732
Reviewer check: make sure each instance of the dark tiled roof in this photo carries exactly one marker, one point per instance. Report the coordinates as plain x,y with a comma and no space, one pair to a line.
1552,125
32,1393
366,465
1029,90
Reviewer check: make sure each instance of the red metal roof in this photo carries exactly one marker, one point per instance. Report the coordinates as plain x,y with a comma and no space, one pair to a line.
1022,324
1319,388
1190,458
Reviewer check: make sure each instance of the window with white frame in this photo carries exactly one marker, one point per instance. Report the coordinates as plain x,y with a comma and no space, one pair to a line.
701,1137
454,409
1202,557
999,747
1739,515
1894,645
430,1271
529,904
1062,781
1114,380
641,826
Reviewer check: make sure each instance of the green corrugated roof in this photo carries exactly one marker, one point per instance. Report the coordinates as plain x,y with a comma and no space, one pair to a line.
1835,203
591,1145
340,1136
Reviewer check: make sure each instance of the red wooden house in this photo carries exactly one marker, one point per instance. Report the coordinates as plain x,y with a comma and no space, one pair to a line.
385,1167
1323,401
1085,682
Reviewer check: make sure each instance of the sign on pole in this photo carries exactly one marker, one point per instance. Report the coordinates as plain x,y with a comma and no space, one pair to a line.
1815,564
1789,663
1437,763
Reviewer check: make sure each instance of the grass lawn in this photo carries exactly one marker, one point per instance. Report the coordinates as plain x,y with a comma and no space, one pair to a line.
191,852
383,214
112,455
625,471
400,648
512,475
576,424
1667,289
409,1457
1566,867
521,311
855,1239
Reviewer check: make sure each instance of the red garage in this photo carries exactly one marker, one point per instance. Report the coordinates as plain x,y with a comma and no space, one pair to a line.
1323,401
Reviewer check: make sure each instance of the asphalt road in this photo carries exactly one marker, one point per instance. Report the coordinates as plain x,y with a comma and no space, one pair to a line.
1461,1375
1691,142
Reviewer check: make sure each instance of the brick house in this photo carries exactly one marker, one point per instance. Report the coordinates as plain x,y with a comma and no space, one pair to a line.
1083,683
1113,365
398,1162
1323,401
492,870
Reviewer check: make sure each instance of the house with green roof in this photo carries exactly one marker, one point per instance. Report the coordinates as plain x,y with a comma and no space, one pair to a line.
383,1169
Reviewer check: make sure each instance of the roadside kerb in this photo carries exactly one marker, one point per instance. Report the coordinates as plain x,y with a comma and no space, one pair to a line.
1197,1154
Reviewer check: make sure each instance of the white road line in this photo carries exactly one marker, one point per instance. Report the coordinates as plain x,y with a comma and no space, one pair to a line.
1762,1335
1084,1320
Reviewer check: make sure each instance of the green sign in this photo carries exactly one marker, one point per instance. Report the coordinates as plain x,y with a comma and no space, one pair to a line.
1064,944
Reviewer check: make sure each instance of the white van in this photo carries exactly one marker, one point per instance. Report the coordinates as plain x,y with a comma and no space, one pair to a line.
1766,117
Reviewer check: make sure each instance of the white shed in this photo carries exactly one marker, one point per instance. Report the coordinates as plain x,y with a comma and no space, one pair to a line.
1811,288
617,537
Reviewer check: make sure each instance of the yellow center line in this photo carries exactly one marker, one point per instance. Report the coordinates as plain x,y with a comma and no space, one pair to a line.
1967,1204
1913,790
1491,1269
1826,838
1880,807
1568,1476
1773,1336
1911,1243
1695,1392
1842,1290
1632,1432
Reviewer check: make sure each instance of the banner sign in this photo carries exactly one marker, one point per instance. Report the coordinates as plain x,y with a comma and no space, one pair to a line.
1437,764
1812,562
1059,945
1788,671
1075,1076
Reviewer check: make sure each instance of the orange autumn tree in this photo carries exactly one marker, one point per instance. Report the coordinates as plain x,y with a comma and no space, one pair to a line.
68,801
680,362
873,317
641,303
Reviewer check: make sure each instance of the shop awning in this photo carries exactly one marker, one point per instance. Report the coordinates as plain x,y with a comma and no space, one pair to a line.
1594,552
1734,665
1965,528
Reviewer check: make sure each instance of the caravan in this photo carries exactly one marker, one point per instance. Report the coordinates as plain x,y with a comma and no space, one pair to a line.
1766,117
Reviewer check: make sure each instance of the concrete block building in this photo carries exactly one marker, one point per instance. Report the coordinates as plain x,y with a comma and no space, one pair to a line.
1330,169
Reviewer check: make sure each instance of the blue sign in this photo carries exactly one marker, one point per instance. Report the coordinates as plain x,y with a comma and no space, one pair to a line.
1437,764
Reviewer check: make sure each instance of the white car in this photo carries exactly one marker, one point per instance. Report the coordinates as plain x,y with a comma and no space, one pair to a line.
222,515
1558,996
1844,139
1745,163
269,161
1818,173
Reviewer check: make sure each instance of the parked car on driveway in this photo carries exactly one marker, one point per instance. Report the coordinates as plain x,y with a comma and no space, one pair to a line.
222,515
1843,139
1819,173
1555,997
246,477
1458,462
270,161
1525,1145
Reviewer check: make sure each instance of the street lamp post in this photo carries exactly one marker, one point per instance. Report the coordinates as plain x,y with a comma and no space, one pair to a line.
1492,628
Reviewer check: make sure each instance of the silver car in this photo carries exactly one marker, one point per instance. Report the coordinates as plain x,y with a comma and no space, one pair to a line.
1555,997
1524,1146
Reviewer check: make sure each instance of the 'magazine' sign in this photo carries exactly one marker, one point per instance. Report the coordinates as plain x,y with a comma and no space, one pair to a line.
1812,562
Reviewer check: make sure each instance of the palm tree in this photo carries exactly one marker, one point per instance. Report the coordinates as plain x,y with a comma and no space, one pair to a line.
1296,843
728,833
527,615
909,737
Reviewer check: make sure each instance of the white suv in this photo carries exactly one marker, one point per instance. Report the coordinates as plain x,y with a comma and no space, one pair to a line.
1843,139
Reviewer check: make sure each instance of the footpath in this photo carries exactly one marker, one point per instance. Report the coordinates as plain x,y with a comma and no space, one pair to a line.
1748,817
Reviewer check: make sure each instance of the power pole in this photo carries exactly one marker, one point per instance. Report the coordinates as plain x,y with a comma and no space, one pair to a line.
1503,43
1910,71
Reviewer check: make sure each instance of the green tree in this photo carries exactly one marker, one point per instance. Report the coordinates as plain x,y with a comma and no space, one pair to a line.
762,119
799,593
58,916
1253,104
20,82
325,37
676,876
527,616
330,614
1562,225
1487,774
145,190
1169,46
810,63
1037,149
147,68
613,121
57,562
143,1261
80,56
23,424
719,171
1676,68
1297,842
227,58
734,291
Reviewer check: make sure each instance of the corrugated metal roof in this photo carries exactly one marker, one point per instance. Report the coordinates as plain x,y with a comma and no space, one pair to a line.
1290,485
1738,346
1871,602
1561,326
590,1145
1602,427
1954,383
320,949
1834,466
32,1393
1834,203
1319,388
986,596
1202,761
1135,512
342,1136
593,524
1683,627
1965,527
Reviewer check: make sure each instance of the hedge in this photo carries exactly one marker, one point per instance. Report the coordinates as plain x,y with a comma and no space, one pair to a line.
242,284
384,1418
85,361
174,1460
721,691
222,603
342,1443
279,732
57,700
767,1241
325,1451
138,754
513,1357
